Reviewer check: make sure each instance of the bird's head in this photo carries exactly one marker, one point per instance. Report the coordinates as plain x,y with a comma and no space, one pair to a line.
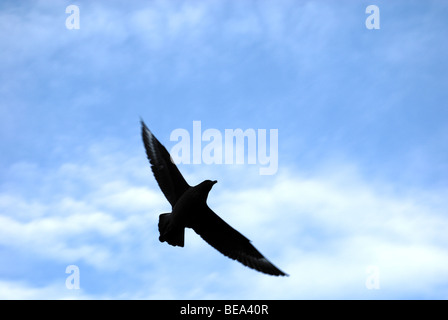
205,186
208,184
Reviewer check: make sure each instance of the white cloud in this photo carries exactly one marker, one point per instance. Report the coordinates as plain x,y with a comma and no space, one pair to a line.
324,230
88,212
12,290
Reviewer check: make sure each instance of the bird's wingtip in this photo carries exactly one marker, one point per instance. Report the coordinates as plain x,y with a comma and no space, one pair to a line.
145,128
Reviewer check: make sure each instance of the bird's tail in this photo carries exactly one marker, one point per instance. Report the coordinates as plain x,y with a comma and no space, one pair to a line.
174,236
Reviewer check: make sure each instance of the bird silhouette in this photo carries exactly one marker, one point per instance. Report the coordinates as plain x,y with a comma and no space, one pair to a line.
190,210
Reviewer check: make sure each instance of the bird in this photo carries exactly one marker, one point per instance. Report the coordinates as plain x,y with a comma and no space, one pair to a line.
190,210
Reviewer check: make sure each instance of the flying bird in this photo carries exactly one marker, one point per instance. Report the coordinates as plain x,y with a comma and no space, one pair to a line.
190,210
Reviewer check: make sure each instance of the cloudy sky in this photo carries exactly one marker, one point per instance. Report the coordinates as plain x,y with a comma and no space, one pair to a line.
356,209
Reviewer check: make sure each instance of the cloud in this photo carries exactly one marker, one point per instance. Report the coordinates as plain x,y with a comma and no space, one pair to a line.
73,231
81,213
322,229
326,230
17,290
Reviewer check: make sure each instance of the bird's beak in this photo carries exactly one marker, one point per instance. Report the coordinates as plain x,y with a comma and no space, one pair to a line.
215,181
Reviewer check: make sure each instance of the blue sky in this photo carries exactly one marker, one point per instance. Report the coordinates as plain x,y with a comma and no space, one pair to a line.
362,125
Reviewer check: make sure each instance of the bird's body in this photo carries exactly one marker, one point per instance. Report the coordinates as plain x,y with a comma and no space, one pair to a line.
190,210
186,213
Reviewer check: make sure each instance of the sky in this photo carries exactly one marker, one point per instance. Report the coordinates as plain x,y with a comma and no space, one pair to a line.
356,208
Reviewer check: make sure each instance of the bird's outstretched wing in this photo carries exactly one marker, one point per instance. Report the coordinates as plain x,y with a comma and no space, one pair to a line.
168,176
231,243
